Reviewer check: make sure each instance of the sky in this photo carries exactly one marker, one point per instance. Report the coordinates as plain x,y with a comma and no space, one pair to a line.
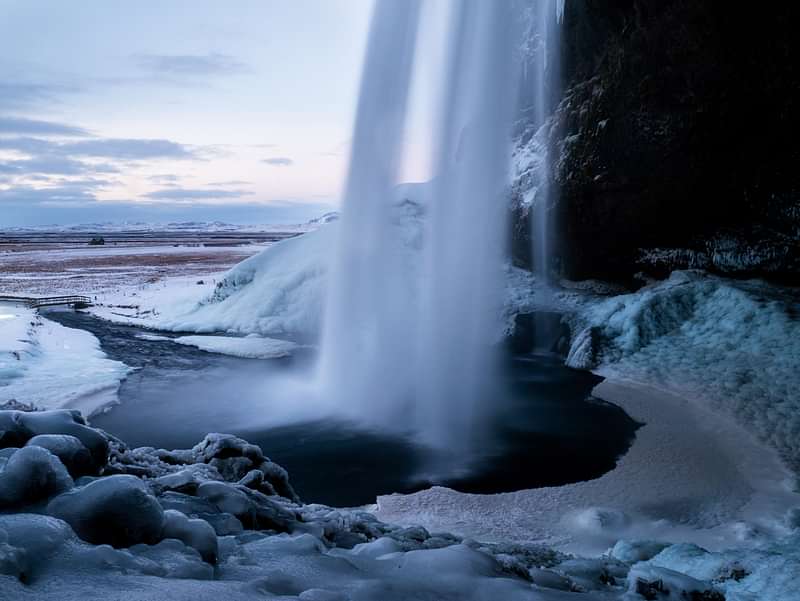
176,110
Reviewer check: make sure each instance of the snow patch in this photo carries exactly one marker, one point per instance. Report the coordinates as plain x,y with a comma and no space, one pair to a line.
250,347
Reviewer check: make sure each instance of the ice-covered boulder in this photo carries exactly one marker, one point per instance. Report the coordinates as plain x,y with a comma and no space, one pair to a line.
235,458
116,510
69,449
27,541
31,475
635,551
197,534
18,427
253,509
651,582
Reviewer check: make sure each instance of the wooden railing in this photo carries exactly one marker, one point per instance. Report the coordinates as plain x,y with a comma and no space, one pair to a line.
48,301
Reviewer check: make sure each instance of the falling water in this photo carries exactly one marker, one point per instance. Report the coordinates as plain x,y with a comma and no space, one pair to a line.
546,15
462,294
366,343
419,353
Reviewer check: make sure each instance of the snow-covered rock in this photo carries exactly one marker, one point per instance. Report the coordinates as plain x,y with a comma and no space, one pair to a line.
31,475
649,582
194,533
116,510
69,449
18,427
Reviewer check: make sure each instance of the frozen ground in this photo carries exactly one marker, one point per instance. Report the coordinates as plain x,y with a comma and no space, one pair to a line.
48,365
85,517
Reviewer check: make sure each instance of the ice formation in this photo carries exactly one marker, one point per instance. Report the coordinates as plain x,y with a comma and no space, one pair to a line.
221,520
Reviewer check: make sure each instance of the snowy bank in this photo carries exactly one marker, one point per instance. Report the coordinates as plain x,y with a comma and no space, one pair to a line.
51,366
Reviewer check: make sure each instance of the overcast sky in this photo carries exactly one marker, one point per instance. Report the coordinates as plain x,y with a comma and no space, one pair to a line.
176,109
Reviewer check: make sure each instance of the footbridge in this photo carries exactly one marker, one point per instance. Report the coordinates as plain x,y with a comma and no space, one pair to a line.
75,301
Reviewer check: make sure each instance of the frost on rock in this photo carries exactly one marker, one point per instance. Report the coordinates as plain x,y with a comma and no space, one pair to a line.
118,510
221,521
19,427
31,475
70,450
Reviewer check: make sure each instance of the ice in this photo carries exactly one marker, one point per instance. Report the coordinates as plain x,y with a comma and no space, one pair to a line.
70,450
194,533
326,553
250,347
18,427
62,367
733,345
31,475
689,476
276,292
648,582
635,551
116,510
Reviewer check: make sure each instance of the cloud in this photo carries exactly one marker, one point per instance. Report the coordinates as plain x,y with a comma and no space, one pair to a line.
278,161
166,178
57,165
233,182
128,149
195,194
109,148
31,146
15,96
66,192
190,65
22,126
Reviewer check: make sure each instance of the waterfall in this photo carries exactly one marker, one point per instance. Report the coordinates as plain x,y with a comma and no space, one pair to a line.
462,294
366,341
545,28
544,15
419,354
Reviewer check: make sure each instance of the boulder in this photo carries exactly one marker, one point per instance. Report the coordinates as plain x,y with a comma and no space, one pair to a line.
31,475
116,510
194,533
70,450
18,427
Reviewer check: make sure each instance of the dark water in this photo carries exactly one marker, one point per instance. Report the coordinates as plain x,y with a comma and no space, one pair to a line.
548,430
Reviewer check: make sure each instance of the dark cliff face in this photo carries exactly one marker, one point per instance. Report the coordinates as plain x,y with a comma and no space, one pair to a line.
677,139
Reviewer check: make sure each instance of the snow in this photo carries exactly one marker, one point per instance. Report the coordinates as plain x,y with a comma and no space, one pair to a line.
317,552
271,294
250,347
31,475
689,476
62,367
732,345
